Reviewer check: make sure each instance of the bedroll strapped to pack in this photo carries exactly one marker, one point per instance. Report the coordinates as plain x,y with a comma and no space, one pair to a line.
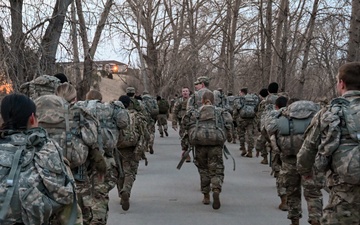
42,85
34,180
209,127
73,127
346,159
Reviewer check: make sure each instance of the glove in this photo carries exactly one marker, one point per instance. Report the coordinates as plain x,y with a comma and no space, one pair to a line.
97,161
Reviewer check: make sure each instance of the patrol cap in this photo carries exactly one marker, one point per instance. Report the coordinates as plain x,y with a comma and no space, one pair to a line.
202,79
130,90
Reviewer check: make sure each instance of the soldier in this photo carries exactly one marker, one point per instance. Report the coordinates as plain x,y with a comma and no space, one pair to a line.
179,112
152,109
132,144
112,117
331,142
244,114
35,182
286,132
260,145
201,86
163,116
208,151
220,99
230,100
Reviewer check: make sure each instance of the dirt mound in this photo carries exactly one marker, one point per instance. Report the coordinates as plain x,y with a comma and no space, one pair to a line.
111,89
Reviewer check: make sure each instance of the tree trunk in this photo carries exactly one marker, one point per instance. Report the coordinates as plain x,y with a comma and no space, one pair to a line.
275,64
50,40
75,45
284,47
268,33
354,33
309,36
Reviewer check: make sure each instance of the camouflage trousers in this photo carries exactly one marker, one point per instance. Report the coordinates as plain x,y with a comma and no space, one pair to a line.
130,166
313,196
102,187
210,164
276,166
85,199
162,123
261,141
151,129
343,206
184,138
245,127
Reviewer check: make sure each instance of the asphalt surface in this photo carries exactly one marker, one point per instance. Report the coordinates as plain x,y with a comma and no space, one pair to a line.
164,195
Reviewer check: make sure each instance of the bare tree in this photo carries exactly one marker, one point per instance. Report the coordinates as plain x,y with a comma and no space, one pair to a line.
354,33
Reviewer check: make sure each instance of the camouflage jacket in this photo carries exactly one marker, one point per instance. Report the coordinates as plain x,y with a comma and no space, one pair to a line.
194,101
179,109
323,137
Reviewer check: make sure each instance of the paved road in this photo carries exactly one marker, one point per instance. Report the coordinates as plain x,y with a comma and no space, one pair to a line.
163,195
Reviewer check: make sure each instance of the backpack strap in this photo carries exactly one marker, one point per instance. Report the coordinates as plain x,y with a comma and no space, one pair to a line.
11,182
68,135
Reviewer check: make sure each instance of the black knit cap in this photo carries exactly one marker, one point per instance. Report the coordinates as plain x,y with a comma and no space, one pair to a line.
125,100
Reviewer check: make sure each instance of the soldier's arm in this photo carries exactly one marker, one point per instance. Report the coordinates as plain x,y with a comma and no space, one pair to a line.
307,153
229,125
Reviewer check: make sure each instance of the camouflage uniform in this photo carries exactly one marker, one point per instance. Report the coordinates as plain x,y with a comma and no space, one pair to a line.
162,119
245,127
230,100
150,125
208,159
288,145
113,117
179,112
194,101
130,156
328,132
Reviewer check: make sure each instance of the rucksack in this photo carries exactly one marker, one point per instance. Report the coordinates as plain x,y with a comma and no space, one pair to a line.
135,104
293,122
345,159
42,85
248,108
73,127
151,106
130,136
112,117
34,180
163,106
209,128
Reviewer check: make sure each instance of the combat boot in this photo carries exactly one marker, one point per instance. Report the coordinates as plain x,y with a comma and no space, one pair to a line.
161,135
216,199
264,161
283,205
243,151
125,203
206,200
314,222
151,150
166,133
294,222
249,154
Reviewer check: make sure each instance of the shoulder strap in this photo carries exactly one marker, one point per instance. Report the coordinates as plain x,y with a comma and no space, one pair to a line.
11,182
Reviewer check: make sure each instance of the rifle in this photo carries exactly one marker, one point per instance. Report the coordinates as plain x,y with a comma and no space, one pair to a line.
227,152
183,158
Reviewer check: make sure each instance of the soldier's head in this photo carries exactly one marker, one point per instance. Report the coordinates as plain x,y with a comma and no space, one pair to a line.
67,91
62,77
263,93
229,93
202,82
158,98
281,102
207,98
243,91
125,100
348,77
130,91
18,112
185,92
273,88
94,95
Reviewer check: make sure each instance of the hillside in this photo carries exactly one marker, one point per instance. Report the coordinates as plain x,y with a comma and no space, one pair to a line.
111,89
